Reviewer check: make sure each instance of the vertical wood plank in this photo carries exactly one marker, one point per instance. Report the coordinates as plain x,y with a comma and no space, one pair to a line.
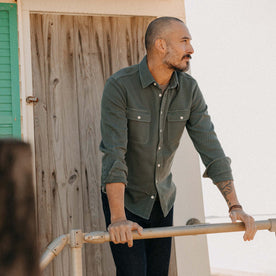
65,170
89,88
43,188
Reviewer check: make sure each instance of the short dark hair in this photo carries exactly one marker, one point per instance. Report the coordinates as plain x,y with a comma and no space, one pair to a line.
155,29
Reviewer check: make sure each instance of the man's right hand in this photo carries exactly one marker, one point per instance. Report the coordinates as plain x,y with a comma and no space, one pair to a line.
121,231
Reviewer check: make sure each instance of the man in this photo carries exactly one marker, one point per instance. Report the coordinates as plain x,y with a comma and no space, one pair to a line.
145,109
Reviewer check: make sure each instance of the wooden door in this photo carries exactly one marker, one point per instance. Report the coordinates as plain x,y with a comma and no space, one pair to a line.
72,56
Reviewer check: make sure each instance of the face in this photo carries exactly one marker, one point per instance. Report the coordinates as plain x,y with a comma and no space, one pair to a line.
178,49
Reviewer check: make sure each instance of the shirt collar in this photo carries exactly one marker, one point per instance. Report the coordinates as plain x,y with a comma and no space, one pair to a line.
147,78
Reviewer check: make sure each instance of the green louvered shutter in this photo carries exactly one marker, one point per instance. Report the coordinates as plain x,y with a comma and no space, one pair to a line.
9,71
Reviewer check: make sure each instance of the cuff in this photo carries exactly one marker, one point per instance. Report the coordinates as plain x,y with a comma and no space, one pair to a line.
117,174
219,170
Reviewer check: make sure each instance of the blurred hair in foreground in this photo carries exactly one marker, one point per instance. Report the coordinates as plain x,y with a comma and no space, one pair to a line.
18,244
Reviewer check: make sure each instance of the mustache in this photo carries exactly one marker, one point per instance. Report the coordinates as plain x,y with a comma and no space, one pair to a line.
187,56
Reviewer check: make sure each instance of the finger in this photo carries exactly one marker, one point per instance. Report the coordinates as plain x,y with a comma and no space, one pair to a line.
129,238
136,226
140,230
249,232
112,237
250,228
117,236
253,230
122,234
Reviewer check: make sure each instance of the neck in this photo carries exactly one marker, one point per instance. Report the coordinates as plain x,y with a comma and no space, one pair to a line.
161,73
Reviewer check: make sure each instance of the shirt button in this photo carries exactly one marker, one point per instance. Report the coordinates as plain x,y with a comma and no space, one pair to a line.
160,95
159,148
156,181
158,165
152,197
139,117
161,112
181,117
160,130
154,83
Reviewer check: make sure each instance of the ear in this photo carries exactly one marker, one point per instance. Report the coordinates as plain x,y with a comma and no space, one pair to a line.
161,45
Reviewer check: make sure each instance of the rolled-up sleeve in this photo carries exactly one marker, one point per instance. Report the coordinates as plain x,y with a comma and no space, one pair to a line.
114,134
201,131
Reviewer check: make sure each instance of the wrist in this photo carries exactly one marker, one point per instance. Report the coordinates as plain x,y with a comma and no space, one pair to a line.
118,218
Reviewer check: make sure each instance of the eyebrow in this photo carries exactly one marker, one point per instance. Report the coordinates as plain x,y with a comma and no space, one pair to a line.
186,37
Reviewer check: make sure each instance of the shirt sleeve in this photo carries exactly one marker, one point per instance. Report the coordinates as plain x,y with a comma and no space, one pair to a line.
114,134
201,131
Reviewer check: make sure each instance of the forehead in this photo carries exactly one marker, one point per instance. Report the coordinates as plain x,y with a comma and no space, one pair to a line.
178,30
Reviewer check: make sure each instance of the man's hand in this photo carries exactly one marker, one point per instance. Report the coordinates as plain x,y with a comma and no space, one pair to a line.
250,227
120,231
227,189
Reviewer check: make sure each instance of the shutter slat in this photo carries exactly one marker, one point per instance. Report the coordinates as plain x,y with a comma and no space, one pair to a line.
5,60
4,14
4,29
5,67
4,45
5,84
5,99
5,76
5,118
5,91
4,22
5,107
4,52
5,131
4,37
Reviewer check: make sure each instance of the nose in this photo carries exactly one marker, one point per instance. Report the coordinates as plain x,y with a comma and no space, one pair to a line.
190,49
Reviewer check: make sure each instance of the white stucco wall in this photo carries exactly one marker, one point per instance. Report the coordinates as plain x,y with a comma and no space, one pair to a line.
235,65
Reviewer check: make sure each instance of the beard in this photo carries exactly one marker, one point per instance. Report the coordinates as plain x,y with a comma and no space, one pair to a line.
179,68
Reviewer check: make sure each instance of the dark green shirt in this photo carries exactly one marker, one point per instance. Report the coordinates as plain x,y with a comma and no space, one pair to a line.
141,129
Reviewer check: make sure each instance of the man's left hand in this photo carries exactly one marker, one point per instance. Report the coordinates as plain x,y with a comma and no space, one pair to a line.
250,227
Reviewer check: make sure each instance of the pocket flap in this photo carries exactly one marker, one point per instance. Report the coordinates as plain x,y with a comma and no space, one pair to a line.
138,115
178,115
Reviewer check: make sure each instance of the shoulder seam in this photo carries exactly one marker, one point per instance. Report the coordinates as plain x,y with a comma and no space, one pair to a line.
118,76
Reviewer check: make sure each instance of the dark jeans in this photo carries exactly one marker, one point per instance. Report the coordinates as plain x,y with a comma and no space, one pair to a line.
147,257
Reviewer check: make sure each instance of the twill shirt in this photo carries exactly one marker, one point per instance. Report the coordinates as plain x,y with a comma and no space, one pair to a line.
141,130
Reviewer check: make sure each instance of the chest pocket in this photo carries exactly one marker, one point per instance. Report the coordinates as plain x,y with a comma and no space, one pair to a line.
176,120
138,125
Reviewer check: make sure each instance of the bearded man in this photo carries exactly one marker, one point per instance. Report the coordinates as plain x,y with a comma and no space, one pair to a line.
145,109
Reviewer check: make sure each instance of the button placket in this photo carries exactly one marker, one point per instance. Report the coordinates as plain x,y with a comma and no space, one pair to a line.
163,99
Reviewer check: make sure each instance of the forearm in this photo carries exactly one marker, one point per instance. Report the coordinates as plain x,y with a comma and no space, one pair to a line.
115,193
227,189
